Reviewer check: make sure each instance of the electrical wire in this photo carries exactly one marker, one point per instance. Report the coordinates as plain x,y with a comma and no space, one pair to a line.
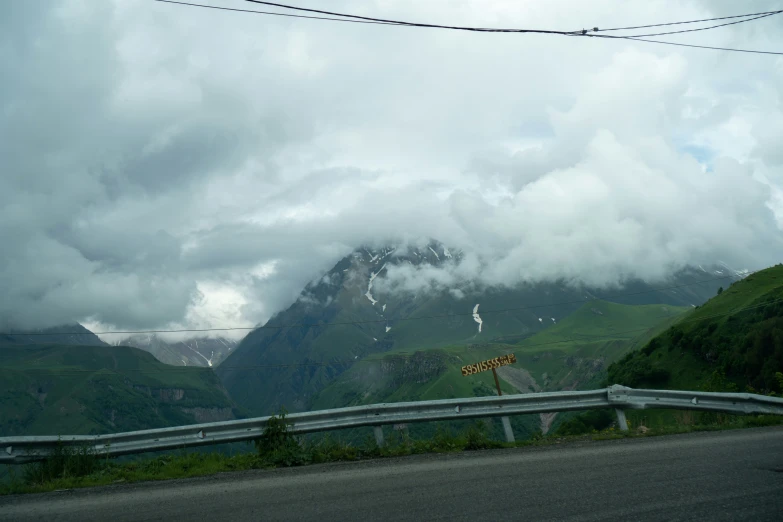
678,44
522,346
378,321
591,32
413,24
286,15
689,21
702,28
747,18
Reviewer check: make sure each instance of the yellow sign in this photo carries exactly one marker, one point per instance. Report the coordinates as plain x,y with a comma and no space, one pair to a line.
489,364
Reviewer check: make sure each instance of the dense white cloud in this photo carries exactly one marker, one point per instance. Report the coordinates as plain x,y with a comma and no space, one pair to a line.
164,165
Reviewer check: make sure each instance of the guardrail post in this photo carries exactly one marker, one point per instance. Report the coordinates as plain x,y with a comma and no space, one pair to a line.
507,429
621,421
378,435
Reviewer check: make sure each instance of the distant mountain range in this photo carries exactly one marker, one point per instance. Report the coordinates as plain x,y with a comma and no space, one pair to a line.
200,351
344,317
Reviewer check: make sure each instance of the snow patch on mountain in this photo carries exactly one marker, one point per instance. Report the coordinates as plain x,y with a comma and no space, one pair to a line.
373,258
436,254
373,275
477,317
209,361
739,273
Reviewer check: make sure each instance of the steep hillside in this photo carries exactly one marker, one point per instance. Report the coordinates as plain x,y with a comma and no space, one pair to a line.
202,351
344,317
56,389
733,342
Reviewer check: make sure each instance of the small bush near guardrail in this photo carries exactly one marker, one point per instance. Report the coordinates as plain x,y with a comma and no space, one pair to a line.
586,422
278,446
477,439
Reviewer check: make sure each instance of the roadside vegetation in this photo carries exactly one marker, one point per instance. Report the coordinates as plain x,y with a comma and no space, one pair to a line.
70,468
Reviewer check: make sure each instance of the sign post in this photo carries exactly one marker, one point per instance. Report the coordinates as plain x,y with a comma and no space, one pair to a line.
493,364
497,382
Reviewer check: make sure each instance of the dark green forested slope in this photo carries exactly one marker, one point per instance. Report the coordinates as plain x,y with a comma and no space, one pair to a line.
58,389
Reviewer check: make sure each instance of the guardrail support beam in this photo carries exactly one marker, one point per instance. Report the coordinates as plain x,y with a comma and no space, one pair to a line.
378,435
507,429
621,420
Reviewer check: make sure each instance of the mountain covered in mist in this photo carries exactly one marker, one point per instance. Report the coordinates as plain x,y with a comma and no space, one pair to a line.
347,315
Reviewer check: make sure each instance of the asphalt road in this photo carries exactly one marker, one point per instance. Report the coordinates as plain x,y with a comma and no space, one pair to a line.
730,475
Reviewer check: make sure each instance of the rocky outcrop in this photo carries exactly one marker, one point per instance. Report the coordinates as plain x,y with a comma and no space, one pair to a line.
210,414
163,394
418,368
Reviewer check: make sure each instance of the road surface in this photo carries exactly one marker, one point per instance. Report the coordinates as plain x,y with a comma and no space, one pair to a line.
730,475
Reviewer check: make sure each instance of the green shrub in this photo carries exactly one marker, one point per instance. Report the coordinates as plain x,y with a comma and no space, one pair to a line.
277,445
637,372
587,422
476,437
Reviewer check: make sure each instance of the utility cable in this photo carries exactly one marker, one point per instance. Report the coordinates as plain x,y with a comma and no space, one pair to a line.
286,15
690,21
690,30
413,24
678,44
583,32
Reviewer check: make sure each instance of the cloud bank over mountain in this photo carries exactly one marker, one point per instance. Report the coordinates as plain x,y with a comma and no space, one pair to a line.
173,166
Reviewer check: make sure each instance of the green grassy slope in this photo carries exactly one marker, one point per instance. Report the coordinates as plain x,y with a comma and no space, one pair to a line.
734,341
570,355
573,353
55,389
598,331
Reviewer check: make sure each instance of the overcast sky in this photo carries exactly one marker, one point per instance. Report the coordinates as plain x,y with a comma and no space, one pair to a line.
170,166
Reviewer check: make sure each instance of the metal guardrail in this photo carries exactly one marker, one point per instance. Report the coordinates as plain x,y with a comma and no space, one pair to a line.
19,450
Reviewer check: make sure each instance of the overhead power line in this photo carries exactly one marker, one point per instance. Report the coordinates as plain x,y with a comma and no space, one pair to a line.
270,13
380,321
700,28
169,369
584,32
691,21
747,18
678,44
414,24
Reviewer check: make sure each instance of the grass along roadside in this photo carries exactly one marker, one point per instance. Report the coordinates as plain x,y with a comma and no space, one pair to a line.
71,469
